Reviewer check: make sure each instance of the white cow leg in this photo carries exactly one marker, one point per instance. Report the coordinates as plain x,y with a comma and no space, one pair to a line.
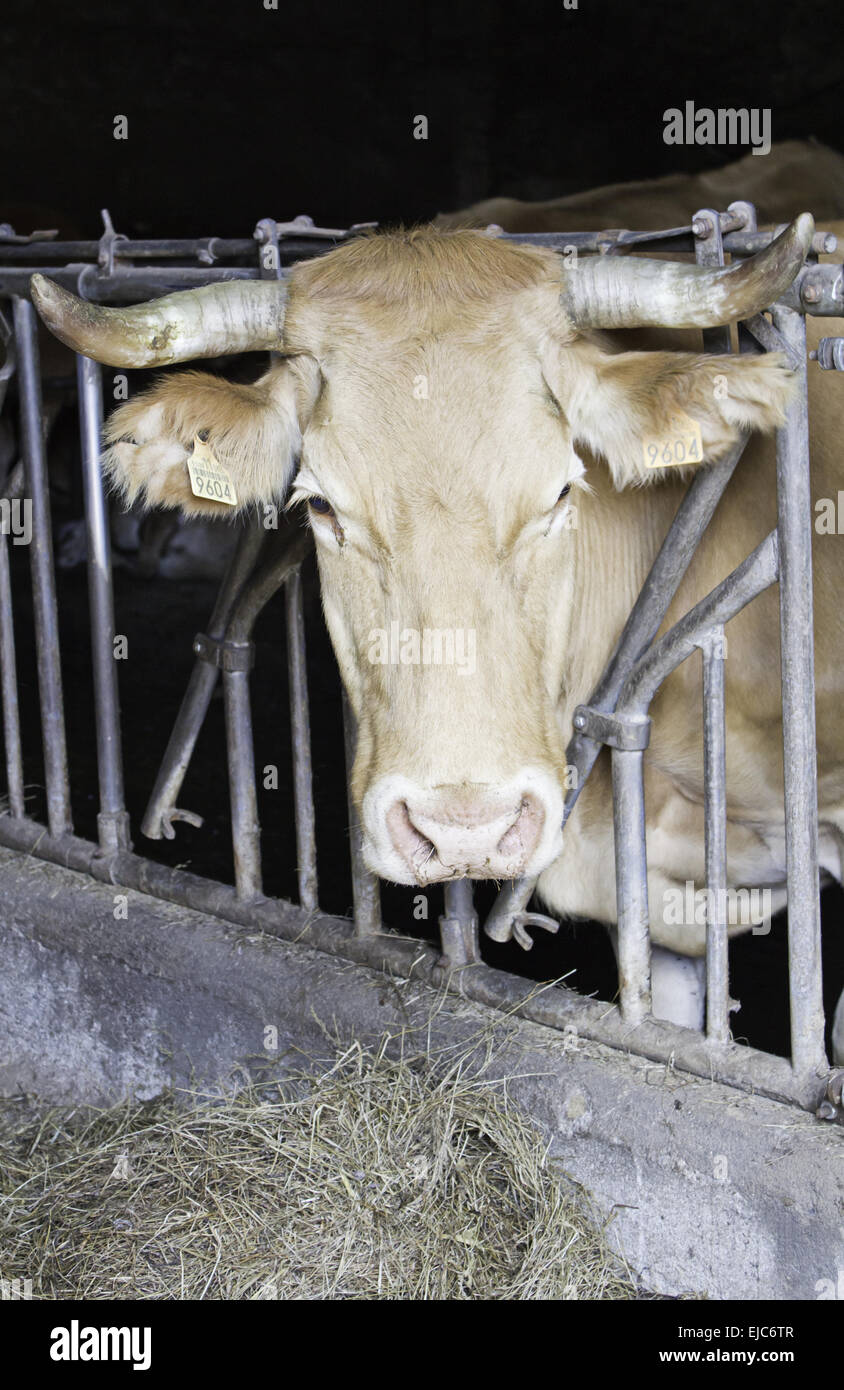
678,987
838,1034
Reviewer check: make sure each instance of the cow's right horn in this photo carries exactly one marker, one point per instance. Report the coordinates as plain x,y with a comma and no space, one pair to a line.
627,292
231,316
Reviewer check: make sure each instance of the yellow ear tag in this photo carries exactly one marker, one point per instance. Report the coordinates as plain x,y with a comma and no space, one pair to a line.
677,446
208,478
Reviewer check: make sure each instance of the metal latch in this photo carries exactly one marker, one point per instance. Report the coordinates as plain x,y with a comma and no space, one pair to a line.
226,656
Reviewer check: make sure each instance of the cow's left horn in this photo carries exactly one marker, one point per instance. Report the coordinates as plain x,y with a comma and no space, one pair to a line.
232,316
619,292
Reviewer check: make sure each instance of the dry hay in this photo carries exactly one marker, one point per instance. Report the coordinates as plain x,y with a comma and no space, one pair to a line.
369,1178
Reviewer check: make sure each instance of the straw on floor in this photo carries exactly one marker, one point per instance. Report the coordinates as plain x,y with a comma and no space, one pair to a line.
370,1178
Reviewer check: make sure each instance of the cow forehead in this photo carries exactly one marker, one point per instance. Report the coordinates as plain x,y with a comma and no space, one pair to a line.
433,395
393,287
440,430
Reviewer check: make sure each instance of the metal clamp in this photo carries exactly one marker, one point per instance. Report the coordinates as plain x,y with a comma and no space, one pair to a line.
832,1105
630,732
514,927
829,355
817,289
226,656
105,256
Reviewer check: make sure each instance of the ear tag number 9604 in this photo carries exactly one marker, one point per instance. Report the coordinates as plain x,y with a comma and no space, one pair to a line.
208,478
677,446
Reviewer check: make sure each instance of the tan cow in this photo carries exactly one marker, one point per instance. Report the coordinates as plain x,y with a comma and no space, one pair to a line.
468,445
795,174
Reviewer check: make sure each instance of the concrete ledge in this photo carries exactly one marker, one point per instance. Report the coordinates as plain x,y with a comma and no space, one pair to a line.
712,1190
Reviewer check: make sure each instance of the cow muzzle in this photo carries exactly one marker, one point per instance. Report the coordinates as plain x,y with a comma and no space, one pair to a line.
418,835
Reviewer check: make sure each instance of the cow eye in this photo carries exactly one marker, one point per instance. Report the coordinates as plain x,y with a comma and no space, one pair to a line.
565,492
321,505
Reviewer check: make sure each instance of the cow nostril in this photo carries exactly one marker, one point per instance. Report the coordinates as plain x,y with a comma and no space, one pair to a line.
524,833
446,832
416,847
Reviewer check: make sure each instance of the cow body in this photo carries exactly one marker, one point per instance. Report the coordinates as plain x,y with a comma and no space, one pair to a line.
471,461
795,174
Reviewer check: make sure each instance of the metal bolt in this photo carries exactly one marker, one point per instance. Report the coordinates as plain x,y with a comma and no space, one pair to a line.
830,354
811,293
579,721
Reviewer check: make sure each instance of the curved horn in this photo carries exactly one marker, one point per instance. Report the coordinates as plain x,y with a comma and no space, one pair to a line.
231,316
611,292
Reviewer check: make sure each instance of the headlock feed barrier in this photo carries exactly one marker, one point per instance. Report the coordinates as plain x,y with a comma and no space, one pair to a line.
118,270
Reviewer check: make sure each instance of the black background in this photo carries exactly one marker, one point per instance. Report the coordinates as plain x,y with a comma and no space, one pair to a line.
237,112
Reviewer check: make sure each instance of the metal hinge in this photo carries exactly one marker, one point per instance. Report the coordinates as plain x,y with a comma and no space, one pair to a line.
631,732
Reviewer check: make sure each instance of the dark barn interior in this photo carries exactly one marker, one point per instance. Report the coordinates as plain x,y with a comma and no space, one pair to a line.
236,111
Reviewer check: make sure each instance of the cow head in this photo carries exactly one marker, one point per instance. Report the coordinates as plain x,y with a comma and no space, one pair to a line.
439,398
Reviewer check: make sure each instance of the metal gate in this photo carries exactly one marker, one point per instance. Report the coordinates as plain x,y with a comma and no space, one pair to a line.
116,269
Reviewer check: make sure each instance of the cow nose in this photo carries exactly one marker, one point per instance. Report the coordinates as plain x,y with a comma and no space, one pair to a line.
454,833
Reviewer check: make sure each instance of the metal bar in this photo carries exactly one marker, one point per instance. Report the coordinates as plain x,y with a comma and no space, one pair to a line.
162,809
794,509
459,925
207,250
9,688
646,617
246,830
658,591
715,833
758,572
300,729
269,264
631,884
737,590
45,610
736,1065
220,248
709,252
366,894
738,241
113,819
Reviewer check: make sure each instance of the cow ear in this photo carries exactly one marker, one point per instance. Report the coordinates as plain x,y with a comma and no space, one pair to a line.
248,436
621,404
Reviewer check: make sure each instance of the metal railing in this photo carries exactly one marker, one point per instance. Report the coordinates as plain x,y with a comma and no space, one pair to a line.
616,715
